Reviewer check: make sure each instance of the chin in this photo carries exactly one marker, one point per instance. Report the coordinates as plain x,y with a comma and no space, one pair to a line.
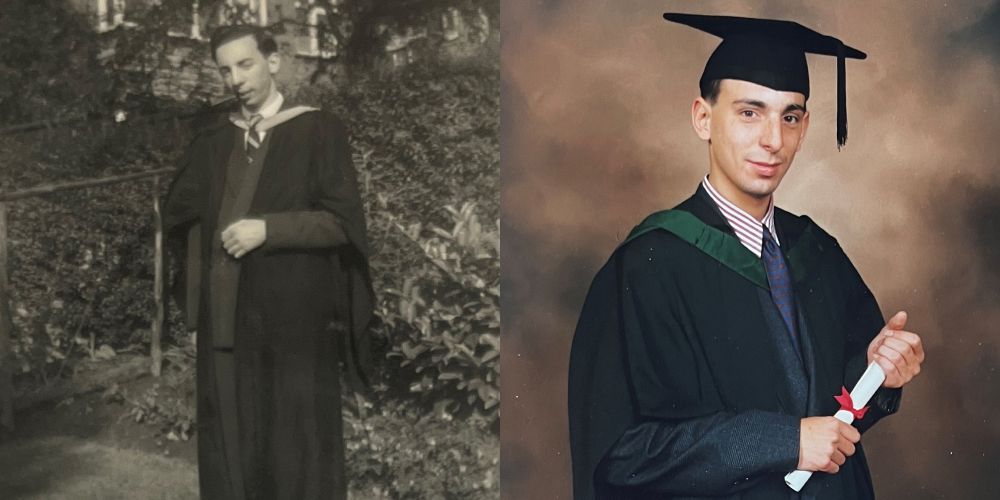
761,188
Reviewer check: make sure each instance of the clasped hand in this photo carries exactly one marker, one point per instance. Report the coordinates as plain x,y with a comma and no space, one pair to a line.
243,236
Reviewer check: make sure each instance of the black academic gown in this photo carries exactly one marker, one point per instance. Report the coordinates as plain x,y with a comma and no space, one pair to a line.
682,381
269,423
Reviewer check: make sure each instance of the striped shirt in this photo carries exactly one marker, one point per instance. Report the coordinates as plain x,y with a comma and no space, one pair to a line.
748,229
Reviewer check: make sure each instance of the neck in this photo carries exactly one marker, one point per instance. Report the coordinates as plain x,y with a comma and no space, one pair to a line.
756,207
272,94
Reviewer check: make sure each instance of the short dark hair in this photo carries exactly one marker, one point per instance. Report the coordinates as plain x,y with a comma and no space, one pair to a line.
710,89
223,34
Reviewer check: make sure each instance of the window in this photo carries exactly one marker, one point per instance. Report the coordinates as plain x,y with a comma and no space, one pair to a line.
193,31
323,24
398,45
451,24
243,12
110,15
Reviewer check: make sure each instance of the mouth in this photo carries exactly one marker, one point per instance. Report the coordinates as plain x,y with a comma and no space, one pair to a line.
765,169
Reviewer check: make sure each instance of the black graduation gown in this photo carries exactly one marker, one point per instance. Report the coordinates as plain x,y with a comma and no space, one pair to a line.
281,374
678,385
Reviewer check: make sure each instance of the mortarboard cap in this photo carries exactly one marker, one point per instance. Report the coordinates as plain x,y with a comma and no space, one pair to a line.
771,53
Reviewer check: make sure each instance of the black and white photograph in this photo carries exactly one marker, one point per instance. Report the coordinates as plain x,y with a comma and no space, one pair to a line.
249,249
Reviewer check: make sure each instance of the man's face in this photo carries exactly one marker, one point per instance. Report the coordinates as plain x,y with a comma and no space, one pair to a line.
246,71
754,133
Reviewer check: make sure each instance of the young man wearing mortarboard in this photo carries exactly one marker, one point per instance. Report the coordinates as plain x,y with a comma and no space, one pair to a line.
283,253
711,344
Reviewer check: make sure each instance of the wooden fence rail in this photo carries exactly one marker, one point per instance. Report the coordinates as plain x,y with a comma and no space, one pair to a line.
6,322
130,119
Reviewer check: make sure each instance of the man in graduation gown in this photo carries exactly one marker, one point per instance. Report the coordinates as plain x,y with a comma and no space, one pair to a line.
283,255
712,343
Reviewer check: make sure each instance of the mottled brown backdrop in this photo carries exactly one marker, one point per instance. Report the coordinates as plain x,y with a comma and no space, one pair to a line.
596,134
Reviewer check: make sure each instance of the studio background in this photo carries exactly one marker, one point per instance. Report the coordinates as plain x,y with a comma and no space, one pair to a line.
596,134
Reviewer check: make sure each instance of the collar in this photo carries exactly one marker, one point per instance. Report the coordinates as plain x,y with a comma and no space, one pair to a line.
269,122
748,230
270,107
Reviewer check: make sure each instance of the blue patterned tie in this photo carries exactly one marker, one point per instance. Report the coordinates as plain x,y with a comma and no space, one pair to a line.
780,280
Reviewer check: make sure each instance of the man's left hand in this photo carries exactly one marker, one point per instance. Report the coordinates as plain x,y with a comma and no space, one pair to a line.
898,352
243,236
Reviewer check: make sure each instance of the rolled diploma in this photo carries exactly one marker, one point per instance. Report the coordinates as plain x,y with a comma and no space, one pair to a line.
863,391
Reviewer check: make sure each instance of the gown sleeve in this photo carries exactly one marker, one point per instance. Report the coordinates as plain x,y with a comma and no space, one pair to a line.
303,229
718,454
337,221
337,216
185,198
181,210
865,321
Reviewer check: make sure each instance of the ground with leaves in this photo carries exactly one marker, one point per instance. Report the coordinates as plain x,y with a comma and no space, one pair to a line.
97,445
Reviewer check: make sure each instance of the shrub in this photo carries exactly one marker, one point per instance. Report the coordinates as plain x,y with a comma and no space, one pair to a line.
446,317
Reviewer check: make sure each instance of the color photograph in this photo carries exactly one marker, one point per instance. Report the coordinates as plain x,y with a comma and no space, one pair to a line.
676,325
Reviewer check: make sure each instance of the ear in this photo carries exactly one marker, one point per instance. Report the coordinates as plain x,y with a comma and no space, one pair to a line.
701,118
802,132
273,63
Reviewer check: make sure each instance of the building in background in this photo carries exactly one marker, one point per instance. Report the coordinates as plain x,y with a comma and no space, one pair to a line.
314,35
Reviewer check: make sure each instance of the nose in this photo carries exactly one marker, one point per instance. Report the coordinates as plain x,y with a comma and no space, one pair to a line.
238,79
770,137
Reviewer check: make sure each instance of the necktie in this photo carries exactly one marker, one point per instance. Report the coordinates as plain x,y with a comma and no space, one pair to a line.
780,280
253,137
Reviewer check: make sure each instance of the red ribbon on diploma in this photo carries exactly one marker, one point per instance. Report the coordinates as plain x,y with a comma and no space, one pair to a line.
846,404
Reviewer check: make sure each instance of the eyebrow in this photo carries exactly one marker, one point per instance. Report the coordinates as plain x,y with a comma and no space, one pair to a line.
762,105
241,61
751,102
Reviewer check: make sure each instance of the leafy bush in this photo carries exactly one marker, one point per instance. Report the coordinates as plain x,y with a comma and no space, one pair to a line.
448,314
169,405
437,263
404,452
49,60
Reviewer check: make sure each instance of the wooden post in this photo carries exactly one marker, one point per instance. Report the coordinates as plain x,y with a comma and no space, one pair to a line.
192,276
6,331
156,352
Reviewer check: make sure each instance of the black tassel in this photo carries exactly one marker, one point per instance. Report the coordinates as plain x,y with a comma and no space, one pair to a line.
841,97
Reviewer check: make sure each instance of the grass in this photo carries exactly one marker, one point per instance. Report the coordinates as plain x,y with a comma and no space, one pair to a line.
64,467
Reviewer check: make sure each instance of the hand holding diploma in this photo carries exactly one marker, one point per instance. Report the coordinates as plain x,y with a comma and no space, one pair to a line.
826,442
894,357
898,352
